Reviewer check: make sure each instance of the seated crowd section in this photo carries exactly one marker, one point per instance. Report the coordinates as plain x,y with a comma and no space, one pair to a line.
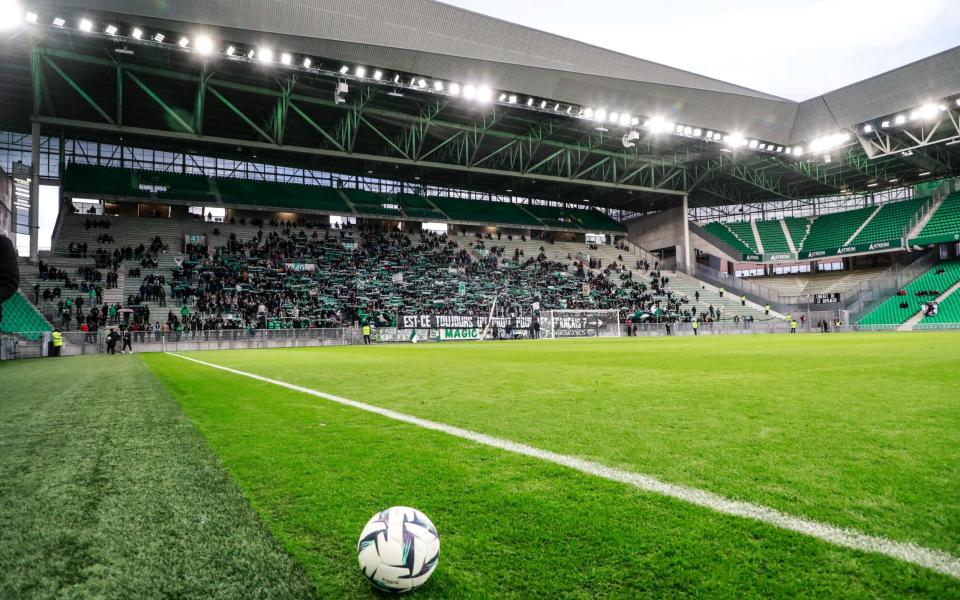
254,274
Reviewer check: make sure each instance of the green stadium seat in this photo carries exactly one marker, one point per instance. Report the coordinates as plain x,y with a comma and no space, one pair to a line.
723,231
21,318
831,231
772,236
890,222
890,313
945,223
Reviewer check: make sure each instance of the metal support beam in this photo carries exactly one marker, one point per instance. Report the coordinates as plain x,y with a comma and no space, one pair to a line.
34,191
175,135
76,87
159,101
241,114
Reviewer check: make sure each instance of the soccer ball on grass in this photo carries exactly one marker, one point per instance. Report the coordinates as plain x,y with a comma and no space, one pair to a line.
398,549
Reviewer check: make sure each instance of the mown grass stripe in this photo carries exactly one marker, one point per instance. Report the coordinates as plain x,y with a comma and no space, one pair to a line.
936,560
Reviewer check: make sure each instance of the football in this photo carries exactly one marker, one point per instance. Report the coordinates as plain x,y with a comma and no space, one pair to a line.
398,549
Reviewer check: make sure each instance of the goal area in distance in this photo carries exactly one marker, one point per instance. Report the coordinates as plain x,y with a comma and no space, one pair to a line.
579,323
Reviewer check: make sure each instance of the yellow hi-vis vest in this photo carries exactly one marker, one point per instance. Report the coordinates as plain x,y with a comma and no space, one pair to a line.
695,324
366,330
57,338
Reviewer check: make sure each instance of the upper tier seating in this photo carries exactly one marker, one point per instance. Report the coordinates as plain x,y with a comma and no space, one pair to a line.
891,312
946,221
721,231
485,212
799,227
771,234
831,231
371,203
744,231
890,222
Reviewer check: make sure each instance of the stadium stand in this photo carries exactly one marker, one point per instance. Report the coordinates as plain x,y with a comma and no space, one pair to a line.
772,237
831,231
722,231
354,276
890,222
799,229
841,282
21,318
744,232
944,224
899,308
948,311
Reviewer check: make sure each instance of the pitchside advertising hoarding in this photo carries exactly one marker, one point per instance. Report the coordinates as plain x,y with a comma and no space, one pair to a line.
467,327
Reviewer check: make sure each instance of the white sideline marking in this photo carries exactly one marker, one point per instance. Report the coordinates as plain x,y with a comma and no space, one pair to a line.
936,560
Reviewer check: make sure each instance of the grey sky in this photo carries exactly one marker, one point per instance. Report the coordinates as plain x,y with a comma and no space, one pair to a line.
796,49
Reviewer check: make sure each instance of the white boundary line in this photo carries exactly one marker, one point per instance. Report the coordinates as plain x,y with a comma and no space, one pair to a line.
936,560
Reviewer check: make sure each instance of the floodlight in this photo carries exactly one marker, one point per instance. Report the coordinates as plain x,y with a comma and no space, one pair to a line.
868,128
396,78
438,86
543,104
59,22
735,140
85,25
31,17
635,121
924,174
469,91
360,71
137,33
874,184
455,89
556,107
184,42
503,98
614,117
753,144
377,75
529,101
231,51
929,111
625,119
159,37
484,94
422,83
203,45
659,125
900,120
697,132
885,124
344,70
894,180
600,115
265,55
111,30
512,99
251,54
798,150
588,113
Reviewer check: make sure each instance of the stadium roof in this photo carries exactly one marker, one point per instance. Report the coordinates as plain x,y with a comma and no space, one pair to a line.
551,149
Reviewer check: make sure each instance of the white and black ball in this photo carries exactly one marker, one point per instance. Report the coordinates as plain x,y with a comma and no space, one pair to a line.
398,549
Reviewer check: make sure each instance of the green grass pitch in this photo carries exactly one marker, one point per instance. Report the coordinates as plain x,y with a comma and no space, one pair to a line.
150,475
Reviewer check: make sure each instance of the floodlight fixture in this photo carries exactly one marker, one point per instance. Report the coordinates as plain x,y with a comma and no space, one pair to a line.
265,55
512,99
159,37
184,42
868,128
377,75
344,70
360,71
203,45
455,89
31,17
110,30
469,91
231,51
484,94
600,115
900,119
86,25
59,21
286,58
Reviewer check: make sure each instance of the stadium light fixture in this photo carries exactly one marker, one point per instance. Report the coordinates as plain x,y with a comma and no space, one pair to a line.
184,42
484,94
556,107
503,98
924,174
928,112
203,45
360,71
512,99
894,180
377,75
659,125
286,59
900,119
265,55
635,121
159,37
625,119
396,78
872,185
59,21
10,14
455,89
231,51
529,101
600,115
111,30
469,91
86,25
543,104
31,17
251,54
752,144
438,86
421,83
344,70
885,124
137,33
798,150
868,128
614,117
588,113
697,132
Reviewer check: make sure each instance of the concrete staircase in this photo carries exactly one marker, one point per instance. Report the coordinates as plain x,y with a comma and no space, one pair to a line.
915,232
